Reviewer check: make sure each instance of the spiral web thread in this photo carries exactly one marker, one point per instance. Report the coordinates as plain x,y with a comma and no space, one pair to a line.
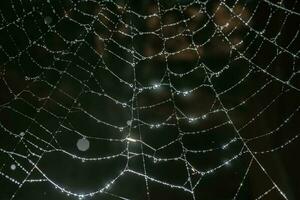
100,53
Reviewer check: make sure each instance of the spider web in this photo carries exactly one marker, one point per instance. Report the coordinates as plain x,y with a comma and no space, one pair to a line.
148,99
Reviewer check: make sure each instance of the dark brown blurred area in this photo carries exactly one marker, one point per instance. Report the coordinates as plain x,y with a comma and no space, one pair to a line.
207,92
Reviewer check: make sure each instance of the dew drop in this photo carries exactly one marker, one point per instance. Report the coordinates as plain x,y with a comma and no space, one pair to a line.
129,122
13,167
83,144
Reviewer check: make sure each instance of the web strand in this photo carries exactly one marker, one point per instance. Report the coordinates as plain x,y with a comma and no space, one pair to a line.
151,99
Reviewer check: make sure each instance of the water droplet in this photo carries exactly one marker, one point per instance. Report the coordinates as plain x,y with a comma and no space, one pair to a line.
83,144
13,167
129,122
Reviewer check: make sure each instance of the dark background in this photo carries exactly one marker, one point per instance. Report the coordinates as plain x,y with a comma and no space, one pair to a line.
57,67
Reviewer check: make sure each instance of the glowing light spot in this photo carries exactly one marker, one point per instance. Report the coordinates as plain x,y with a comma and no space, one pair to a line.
225,146
185,93
156,86
131,139
191,120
